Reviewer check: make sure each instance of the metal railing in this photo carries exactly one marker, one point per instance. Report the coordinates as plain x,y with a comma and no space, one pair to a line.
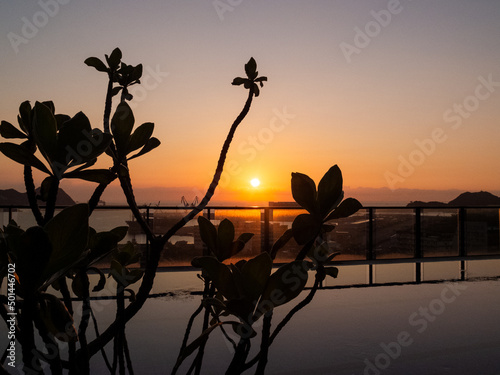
472,233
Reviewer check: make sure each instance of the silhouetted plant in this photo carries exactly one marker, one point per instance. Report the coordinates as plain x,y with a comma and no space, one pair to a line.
69,148
62,248
248,290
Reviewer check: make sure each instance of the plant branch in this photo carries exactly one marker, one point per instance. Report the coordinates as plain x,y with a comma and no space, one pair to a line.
296,309
31,193
218,171
84,322
126,184
107,106
103,352
51,200
265,343
284,322
96,196
157,243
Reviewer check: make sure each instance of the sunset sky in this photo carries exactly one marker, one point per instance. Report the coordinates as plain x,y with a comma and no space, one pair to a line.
400,94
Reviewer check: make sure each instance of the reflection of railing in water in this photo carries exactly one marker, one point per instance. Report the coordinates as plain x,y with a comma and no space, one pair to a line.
373,236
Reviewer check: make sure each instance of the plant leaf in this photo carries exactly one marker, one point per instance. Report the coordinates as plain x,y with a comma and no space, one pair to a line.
68,233
285,284
332,271
22,156
122,124
101,176
61,120
99,142
7,130
239,81
220,274
347,208
251,69
140,136
208,233
78,285
96,63
304,191
305,228
151,144
330,190
256,90
255,274
45,131
103,243
25,119
135,74
102,280
45,188
31,251
225,237
73,140
239,244
114,59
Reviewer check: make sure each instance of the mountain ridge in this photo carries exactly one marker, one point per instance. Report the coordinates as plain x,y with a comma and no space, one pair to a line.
12,197
466,199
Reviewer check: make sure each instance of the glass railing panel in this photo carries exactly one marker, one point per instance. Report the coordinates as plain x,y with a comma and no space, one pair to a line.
394,233
439,232
481,231
281,220
350,236
22,216
185,244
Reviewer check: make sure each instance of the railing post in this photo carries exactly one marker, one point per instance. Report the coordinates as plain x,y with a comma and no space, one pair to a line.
462,251
266,234
370,254
207,214
10,214
418,244
147,239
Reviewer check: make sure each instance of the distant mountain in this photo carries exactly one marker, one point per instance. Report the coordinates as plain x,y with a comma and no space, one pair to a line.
467,199
482,198
11,197
426,204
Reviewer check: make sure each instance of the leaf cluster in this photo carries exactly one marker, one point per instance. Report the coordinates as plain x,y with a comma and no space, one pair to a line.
127,141
119,72
322,204
68,145
43,255
248,290
251,81
121,260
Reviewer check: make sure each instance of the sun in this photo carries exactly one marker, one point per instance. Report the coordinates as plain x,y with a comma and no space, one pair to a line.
255,182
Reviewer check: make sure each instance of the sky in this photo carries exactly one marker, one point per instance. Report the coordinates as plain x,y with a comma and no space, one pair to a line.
401,95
